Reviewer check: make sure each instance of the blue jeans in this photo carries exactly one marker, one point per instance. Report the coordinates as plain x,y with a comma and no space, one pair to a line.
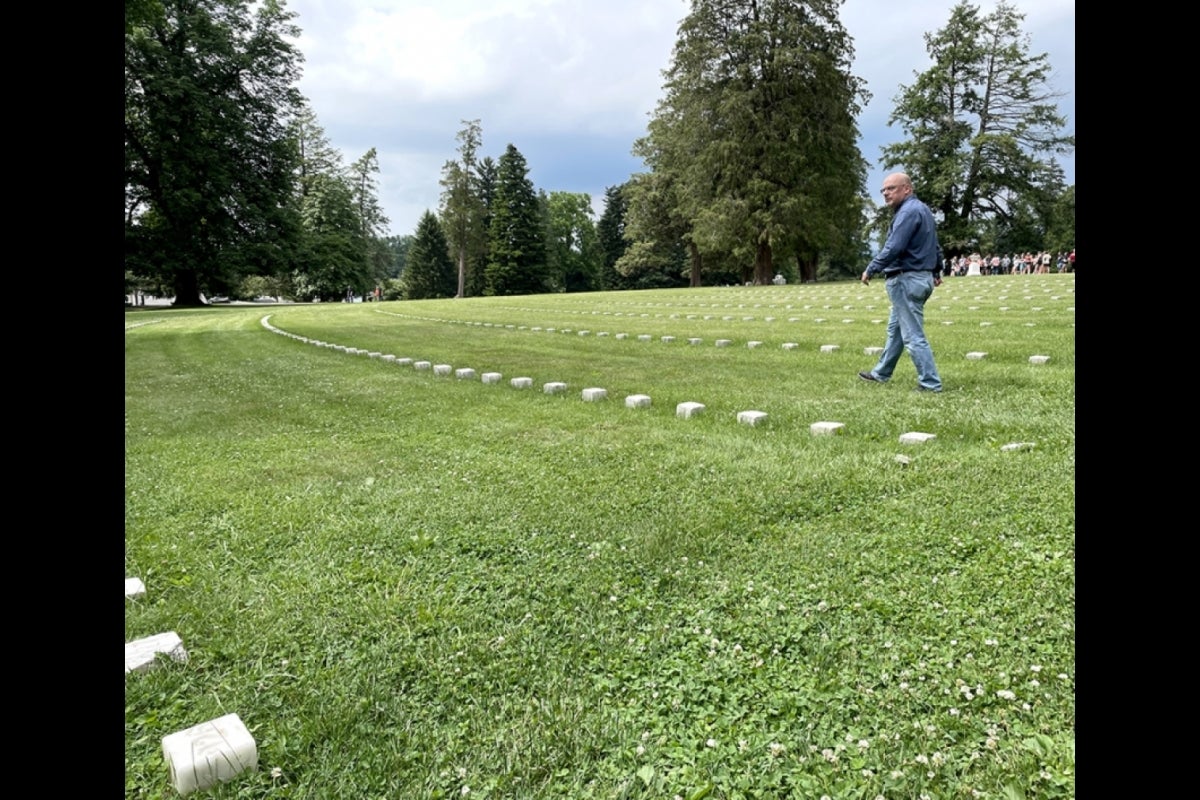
908,292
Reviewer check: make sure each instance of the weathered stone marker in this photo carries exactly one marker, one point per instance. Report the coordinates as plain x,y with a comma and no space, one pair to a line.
209,753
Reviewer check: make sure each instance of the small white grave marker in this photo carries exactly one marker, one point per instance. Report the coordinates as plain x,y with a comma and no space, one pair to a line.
789,345
637,401
134,588
583,333
872,351
521,383
644,337
724,342
490,377
442,369
976,356
830,348
1015,446
422,365
389,357
752,345
622,336
554,387
594,394
826,428
404,362
465,374
751,418
915,437
140,653
209,753
695,340
667,339
1038,359
688,410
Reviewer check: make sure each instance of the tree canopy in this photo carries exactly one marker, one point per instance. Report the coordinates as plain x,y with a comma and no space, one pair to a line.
210,87
517,245
983,130
755,140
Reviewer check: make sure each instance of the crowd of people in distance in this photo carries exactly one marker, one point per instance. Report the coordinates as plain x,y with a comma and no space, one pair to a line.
1011,264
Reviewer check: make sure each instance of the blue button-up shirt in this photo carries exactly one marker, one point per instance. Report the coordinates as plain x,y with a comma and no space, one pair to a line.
912,242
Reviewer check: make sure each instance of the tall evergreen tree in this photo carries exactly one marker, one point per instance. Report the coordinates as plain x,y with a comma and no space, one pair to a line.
429,270
462,205
982,126
610,235
756,133
210,87
487,172
517,247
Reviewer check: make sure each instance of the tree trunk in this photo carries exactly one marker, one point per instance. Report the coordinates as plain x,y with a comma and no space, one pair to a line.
694,277
764,266
187,288
806,267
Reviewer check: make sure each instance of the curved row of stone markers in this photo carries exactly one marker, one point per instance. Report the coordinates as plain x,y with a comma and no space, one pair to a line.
670,339
685,410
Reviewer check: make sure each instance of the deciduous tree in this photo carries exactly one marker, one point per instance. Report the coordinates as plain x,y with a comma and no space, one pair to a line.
210,86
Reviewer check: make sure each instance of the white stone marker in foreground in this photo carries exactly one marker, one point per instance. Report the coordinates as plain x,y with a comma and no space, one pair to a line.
140,653
872,351
134,588
622,336
442,369
644,337
1038,359
826,428
667,339
789,345
724,342
753,345
830,348
751,418
209,753
916,438
976,356
688,410
594,394
421,365
521,383
637,401
695,340
554,387
465,374
490,377
1014,446
404,362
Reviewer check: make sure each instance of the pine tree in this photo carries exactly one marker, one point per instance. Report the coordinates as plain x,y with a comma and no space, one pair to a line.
983,127
756,135
517,248
429,271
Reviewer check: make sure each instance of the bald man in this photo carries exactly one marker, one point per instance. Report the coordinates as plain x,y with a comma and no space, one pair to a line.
911,264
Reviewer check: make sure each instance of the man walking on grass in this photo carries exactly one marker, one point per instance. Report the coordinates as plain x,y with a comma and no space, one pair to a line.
909,261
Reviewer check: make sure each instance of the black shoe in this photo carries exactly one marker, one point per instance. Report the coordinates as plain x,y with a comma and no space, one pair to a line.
868,376
923,390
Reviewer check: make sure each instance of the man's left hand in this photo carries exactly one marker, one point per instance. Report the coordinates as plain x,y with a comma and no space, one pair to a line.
866,278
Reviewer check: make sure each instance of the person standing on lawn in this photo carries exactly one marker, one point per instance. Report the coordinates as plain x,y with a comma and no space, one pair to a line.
909,262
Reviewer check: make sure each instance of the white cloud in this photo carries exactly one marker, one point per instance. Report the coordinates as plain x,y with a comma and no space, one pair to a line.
569,82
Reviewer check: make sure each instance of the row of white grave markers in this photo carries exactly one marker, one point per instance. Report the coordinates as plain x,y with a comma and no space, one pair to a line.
685,410
202,755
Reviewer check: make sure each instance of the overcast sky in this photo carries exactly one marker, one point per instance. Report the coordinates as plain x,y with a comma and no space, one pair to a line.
570,83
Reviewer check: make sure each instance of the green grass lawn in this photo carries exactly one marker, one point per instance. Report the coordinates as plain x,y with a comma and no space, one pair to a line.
412,586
